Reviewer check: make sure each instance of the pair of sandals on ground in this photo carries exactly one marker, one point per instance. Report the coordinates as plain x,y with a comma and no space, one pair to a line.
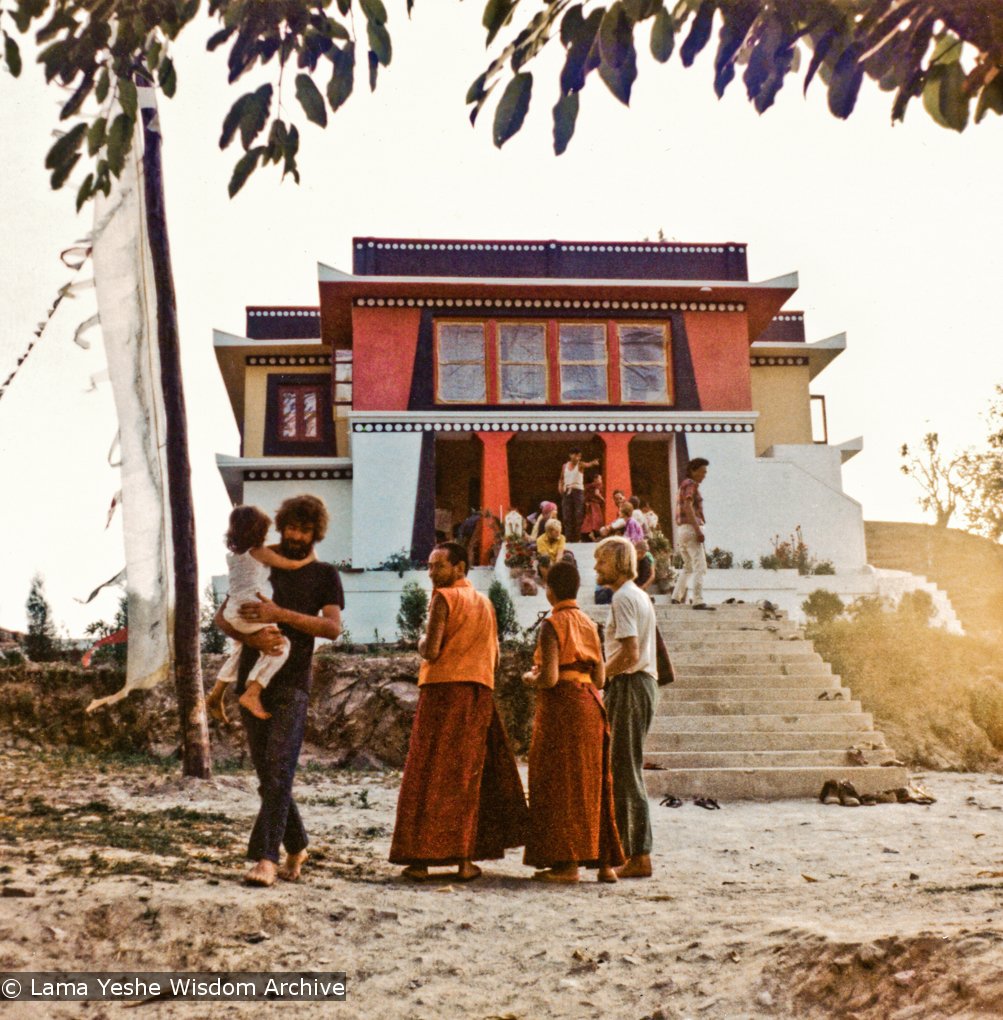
841,791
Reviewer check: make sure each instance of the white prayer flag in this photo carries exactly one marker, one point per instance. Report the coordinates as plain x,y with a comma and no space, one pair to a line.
127,307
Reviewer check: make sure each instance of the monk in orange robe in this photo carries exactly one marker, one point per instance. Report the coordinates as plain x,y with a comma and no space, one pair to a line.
571,819
461,797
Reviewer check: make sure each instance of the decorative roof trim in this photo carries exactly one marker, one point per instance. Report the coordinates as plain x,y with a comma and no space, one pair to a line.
760,362
531,303
294,474
635,247
288,359
479,425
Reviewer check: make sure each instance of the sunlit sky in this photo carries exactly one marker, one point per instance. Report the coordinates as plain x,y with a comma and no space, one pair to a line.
895,233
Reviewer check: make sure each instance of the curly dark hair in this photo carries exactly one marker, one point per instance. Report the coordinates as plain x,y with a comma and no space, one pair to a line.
305,511
248,528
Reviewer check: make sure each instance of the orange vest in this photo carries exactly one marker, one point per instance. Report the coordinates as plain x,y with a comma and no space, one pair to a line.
577,641
469,652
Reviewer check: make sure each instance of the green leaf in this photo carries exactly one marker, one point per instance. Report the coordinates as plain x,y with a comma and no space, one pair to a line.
699,33
11,54
512,107
65,146
244,168
618,66
944,96
232,120
344,6
127,97
374,67
379,42
565,115
75,101
96,135
119,140
311,100
641,10
291,148
990,98
496,14
255,114
153,54
85,191
62,172
374,11
104,83
339,88
662,36
168,77
476,92
844,85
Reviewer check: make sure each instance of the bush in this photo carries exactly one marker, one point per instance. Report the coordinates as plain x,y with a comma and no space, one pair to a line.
398,562
793,554
213,639
823,567
822,606
719,559
748,565
505,616
413,611
867,607
917,605
40,643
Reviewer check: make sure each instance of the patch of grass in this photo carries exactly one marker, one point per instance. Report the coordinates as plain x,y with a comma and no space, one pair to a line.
938,696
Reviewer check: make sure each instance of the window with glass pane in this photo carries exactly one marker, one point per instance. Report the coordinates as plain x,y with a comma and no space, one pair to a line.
644,364
582,348
299,414
343,377
522,359
460,363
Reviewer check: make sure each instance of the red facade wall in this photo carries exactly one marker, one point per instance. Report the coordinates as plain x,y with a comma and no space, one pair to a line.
384,341
719,348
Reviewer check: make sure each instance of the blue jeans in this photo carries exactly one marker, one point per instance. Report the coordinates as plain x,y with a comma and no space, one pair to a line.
275,749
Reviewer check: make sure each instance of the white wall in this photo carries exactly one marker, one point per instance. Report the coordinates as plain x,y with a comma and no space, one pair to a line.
385,484
749,500
337,496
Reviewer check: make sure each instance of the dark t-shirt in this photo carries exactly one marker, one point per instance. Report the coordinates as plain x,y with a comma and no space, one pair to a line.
645,568
306,591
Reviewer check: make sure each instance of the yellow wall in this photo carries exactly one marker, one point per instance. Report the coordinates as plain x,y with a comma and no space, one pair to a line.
255,397
780,395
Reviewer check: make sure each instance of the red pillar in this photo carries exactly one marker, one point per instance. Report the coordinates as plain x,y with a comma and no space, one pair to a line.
494,479
617,473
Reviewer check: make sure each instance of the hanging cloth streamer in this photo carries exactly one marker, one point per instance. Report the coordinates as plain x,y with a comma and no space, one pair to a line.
127,306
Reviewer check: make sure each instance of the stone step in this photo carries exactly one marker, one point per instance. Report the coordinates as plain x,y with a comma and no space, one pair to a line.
763,759
731,681
819,740
722,640
683,692
779,655
830,722
728,784
756,707
750,669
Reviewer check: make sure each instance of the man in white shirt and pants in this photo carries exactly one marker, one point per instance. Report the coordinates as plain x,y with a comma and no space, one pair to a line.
630,696
571,487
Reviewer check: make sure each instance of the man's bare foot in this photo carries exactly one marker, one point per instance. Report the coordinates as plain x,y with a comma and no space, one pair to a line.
638,866
251,700
467,872
606,874
262,874
292,866
415,873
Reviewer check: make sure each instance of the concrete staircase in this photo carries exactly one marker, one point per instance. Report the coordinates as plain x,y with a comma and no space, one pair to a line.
755,713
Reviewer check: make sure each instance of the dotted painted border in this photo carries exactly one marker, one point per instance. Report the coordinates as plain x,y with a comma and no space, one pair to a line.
494,426
288,359
531,303
295,474
761,361
659,249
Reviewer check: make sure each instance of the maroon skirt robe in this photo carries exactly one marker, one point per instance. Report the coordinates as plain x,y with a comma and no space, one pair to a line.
461,797
570,781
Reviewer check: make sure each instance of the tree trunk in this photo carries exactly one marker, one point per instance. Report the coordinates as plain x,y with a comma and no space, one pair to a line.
187,666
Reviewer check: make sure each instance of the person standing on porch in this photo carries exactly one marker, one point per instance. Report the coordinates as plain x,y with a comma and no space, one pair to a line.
595,504
630,697
690,522
571,488
461,797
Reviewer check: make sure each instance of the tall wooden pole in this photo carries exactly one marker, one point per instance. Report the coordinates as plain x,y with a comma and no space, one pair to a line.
187,665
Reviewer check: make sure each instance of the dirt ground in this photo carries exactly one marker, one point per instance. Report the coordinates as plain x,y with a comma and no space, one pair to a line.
787,909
